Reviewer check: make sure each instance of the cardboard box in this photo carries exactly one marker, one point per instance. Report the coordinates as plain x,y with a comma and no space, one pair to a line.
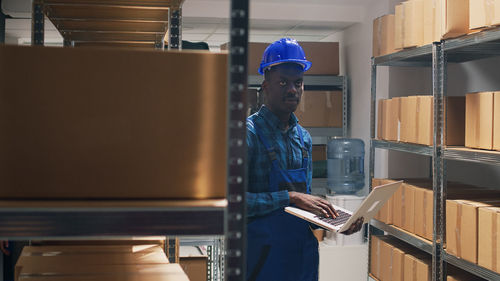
409,119
375,258
324,57
166,272
481,13
399,21
413,23
417,268
385,213
488,248
409,207
72,250
429,16
463,277
103,243
455,120
496,121
392,123
319,152
424,202
462,227
425,123
380,119
385,260
98,123
320,109
496,14
84,259
195,267
453,18
319,161
479,120
391,259
397,216
383,35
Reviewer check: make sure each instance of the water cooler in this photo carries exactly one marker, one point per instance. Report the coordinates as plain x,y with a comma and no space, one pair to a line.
344,257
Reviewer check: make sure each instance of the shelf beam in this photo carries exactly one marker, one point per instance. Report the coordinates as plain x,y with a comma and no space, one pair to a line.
471,267
309,81
404,147
419,243
472,155
27,220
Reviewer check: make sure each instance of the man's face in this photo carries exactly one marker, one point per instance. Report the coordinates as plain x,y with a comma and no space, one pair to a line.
284,86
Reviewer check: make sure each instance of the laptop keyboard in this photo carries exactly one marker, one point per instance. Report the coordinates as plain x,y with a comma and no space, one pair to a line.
340,220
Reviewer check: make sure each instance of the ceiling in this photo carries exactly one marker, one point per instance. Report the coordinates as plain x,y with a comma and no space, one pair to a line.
207,20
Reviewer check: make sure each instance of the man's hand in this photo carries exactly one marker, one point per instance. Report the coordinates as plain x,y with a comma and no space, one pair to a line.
313,204
355,227
3,247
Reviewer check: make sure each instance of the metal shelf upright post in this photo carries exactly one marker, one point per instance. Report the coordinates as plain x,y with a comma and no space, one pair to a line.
438,163
235,257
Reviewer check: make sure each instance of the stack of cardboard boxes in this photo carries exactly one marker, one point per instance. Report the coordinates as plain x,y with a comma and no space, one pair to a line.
393,260
472,218
482,123
411,120
118,262
421,22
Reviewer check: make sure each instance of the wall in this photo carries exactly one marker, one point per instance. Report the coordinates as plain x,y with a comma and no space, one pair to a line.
357,49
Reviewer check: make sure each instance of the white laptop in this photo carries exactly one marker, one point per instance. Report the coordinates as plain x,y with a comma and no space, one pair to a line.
367,210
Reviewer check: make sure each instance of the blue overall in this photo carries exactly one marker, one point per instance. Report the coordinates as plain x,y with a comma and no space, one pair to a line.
281,247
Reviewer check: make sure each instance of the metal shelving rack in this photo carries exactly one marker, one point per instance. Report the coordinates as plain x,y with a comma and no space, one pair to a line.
475,46
25,220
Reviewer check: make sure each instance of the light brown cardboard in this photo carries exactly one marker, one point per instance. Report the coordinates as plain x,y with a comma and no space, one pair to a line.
319,152
417,266
454,18
425,116
488,248
385,213
479,120
195,267
496,13
324,56
380,119
375,257
423,212
399,16
72,250
168,272
392,119
409,119
496,121
383,35
385,260
397,216
320,109
87,121
481,13
429,16
462,227
85,259
413,23
409,208
389,132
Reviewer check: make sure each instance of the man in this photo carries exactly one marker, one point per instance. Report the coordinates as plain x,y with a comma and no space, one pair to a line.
281,246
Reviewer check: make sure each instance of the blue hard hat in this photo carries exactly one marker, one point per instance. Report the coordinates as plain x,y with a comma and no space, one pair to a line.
282,51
